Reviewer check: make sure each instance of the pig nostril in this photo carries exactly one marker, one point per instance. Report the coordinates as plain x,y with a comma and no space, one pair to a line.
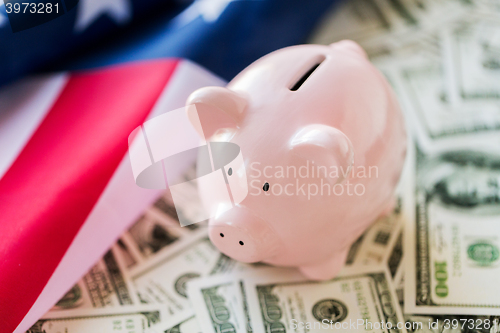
221,234
241,243
266,187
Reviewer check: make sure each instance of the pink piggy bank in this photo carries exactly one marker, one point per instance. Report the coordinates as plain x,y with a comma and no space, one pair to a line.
323,143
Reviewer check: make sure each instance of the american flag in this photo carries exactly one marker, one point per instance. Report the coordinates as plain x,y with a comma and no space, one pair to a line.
103,68
224,36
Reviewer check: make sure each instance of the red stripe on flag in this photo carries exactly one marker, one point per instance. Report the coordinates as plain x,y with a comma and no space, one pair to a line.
53,185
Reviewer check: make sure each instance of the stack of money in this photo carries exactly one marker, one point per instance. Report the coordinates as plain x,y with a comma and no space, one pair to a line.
433,265
443,60
160,277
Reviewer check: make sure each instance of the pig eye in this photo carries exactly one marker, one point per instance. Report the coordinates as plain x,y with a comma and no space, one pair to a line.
266,187
241,243
230,171
221,234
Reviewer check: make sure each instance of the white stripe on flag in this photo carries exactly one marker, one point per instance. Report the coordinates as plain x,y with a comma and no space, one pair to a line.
23,106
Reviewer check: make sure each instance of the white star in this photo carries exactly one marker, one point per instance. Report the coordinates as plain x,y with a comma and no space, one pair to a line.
209,10
89,10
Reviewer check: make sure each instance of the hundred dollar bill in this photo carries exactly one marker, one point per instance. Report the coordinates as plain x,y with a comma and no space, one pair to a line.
128,258
220,301
148,236
133,319
452,324
473,52
181,323
381,243
159,227
449,323
360,299
400,291
105,285
396,260
220,304
419,323
163,278
452,248
438,124
189,325
374,246
383,26
188,206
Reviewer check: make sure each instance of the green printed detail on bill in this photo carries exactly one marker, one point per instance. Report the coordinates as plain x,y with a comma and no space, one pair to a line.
456,234
120,323
218,310
483,253
349,303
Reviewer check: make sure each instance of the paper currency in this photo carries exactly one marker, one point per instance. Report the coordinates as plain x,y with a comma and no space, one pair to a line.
374,246
359,299
384,26
125,252
130,319
220,301
382,243
219,304
156,230
438,124
163,280
453,245
395,260
188,206
455,324
453,111
449,323
189,325
181,323
148,236
105,285
474,54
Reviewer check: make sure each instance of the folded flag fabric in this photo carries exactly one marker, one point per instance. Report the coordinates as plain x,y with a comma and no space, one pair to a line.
66,187
84,23
223,36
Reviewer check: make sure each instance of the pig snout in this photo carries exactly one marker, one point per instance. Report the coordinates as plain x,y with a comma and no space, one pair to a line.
242,235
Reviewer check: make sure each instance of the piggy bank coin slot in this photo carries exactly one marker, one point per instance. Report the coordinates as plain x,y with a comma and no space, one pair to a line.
304,77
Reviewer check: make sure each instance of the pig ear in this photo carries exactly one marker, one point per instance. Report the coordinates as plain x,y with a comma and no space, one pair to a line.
326,146
350,47
217,108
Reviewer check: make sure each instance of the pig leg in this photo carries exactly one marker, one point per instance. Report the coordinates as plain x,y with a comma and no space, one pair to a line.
326,270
